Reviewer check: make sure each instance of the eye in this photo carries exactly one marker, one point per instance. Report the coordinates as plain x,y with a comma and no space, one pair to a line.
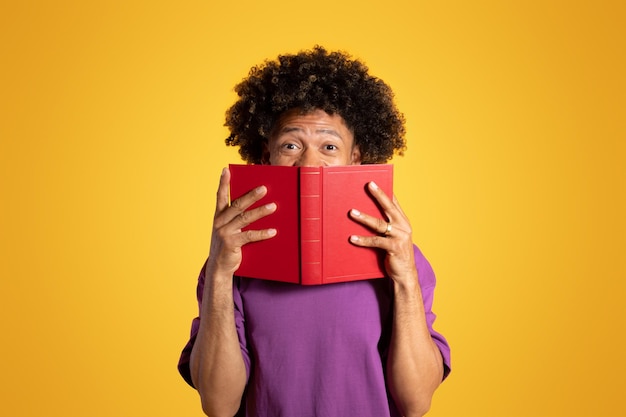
289,147
330,147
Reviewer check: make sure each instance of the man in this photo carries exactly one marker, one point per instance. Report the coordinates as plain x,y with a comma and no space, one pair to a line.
363,348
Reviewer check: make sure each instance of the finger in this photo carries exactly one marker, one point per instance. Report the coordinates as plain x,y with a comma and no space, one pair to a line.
249,236
397,244
245,218
221,202
238,206
244,202
372,242
392,210
376,224
382,198
397,205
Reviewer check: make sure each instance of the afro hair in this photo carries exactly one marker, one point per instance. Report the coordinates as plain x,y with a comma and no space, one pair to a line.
312,80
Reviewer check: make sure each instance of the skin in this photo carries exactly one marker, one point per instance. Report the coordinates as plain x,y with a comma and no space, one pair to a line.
414,365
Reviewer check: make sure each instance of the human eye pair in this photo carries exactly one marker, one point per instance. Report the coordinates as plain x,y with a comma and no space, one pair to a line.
293,146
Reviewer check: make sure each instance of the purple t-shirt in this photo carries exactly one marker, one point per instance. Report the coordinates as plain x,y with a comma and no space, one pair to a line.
317,350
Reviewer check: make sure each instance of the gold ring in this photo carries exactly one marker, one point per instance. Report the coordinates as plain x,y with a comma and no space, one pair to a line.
388,230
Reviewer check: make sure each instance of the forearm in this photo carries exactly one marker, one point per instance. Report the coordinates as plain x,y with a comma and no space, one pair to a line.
414,365
217,367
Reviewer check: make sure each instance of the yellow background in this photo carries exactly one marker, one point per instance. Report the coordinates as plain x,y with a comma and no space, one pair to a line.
112,142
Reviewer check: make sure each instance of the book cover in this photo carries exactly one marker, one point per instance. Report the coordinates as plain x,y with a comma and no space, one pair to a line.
312,220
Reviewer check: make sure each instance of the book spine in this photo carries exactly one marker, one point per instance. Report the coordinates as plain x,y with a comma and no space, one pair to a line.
311,225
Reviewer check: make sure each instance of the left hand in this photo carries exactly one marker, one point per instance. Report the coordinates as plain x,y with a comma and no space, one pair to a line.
394,236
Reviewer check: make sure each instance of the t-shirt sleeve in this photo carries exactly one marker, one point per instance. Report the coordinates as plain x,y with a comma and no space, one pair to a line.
185,356
428,282
240,322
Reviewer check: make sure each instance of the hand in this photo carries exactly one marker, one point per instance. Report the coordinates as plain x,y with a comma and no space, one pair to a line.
395,236
227,238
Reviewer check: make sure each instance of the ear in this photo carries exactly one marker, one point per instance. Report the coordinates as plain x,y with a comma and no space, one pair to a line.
355,158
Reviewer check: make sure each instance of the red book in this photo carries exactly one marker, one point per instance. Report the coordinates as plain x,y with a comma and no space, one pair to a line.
312,222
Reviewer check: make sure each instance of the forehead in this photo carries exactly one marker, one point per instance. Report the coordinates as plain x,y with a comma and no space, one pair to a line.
317,121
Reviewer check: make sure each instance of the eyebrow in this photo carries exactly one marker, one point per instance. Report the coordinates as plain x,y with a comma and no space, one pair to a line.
289,129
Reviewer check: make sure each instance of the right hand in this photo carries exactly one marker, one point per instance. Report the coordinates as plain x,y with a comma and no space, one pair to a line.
227,238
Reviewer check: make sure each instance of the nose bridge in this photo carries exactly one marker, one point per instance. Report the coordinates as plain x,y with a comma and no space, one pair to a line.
309,158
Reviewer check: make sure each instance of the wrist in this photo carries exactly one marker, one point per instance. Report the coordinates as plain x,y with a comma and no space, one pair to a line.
407,284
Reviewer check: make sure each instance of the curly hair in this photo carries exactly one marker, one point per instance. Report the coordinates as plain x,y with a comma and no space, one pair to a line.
316,80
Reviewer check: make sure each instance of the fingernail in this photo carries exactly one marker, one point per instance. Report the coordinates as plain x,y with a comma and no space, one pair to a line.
270,206
354,238
224,171
260,190
355,212
271,232
374,185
